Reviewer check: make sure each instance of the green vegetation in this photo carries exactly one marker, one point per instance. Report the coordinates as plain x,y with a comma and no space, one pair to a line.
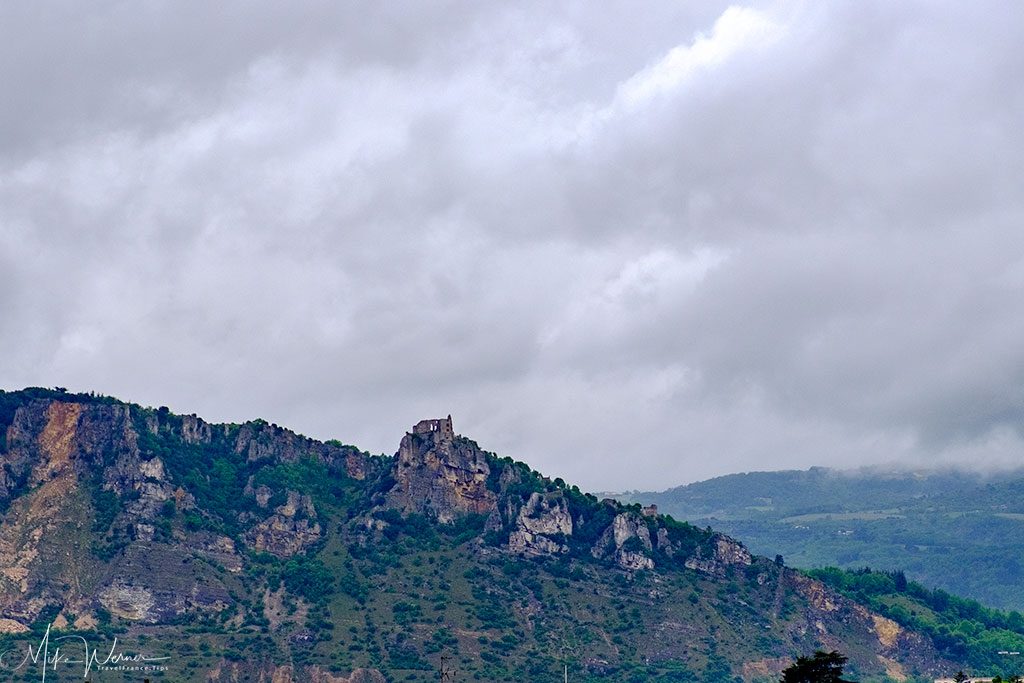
963,630
210,472
949,529
307,577
308,475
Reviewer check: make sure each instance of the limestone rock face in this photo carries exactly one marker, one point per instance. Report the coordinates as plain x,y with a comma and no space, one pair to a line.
726,553
50,439
439,474
628,540
826,613
62,456
195,430
259,441
131,602
663,543
290,530
220,549
58,452
155,582
356,463
540,525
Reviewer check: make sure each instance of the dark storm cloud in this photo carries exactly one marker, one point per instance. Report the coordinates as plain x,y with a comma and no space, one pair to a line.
634,247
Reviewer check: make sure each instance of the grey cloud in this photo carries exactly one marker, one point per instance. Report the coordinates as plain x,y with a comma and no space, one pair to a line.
77,70
634,247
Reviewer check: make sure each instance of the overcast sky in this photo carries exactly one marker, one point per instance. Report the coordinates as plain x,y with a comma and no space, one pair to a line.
635,244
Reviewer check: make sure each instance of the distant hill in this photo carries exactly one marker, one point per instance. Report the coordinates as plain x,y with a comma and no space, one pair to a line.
246,552
955,530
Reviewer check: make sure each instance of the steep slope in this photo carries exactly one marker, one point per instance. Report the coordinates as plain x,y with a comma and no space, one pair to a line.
925,523
249,551
985,639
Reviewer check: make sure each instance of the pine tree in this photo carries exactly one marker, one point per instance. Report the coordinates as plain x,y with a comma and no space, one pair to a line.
822,667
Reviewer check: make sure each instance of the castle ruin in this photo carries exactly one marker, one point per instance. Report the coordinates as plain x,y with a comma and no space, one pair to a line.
444,427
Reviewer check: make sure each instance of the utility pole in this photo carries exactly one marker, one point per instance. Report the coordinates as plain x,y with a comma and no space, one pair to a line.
446,673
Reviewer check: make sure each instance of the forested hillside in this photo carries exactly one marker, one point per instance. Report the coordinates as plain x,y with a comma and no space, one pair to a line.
959,531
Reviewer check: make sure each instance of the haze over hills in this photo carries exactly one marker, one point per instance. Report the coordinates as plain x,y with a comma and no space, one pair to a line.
246,550
958,530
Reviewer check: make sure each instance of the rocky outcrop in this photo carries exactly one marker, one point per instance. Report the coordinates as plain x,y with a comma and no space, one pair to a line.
156,582
441,475
130,602
541,526
47,438
829,617
725,553
11,626
195,430
258,441
216,548
290,530
59,454
628,540
357,463
65,457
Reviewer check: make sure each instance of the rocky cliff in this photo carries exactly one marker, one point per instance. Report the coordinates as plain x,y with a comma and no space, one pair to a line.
541,526
440,474
86,527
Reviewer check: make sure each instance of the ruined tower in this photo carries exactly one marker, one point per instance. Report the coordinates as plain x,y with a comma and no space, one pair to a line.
443,428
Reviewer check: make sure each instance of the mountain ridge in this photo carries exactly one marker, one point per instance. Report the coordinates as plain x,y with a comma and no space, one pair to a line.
331,562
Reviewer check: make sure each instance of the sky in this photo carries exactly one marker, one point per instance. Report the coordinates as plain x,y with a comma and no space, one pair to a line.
635,244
